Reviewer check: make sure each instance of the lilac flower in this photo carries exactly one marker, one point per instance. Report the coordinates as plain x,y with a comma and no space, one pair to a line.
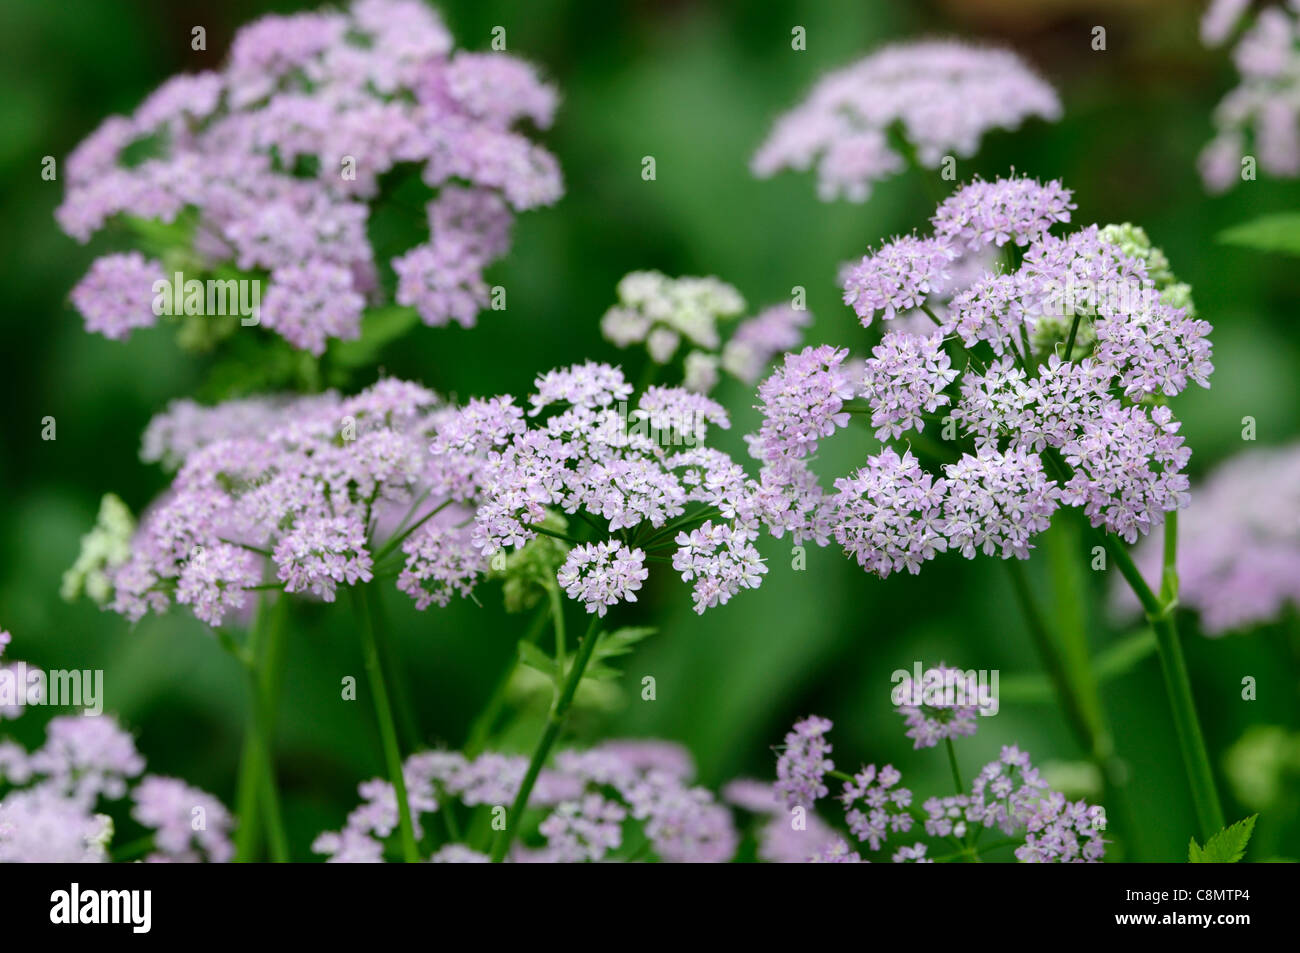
117,295
781,840
587,798
311,302
188,824
803,762
87,757
593,455
310,492
944,705
993,213
802,402
756,341
720,559
884,805
905,379
50,812
945,95
1263,109
995,502
1093,417
838,853
274,163
888,515
601,575
1239,546
1008,794
898,277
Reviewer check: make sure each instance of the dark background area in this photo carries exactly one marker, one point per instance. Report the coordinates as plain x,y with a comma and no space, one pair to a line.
696,86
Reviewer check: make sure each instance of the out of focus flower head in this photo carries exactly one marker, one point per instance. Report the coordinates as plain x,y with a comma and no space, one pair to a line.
54,798
1259,120
307,494
271,168
943,95
1239,546
587,801
685,317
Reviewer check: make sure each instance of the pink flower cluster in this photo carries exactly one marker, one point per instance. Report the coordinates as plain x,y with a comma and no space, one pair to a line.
315,491
587,798
1007,794
1260,118
273,166
52,811
1040,430
628,471
945,95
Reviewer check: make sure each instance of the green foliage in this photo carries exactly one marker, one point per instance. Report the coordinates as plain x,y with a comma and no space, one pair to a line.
1226,847
1279,232
612,645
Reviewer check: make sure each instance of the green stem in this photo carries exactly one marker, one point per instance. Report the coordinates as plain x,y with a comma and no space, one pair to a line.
481,729
1069,342
1160,613
554,724
407,722
384,714
257,770
952,763
557,617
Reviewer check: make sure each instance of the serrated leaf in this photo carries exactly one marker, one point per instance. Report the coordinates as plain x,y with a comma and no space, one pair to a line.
601,673
620,641
1226,847
535,658
1278,232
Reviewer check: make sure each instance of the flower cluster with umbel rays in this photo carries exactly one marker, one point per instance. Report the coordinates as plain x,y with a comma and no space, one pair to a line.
1239,547
944,95
53,800
1260,118
1008,795
590,801
307,495
637,476
1049,374
664,313
272,167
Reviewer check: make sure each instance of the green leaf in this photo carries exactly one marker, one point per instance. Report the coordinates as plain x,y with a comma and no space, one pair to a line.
1226,847
1277,232
612,645
619,642
535,658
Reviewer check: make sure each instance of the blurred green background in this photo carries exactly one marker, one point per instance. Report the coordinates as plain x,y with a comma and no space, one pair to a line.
696,86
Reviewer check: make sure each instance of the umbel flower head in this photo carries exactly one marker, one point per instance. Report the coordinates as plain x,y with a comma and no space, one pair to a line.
1260,118
587,799
637,476
53,807
943,95
1050,371
1239,547
271,168
306,495
1008,794
667,315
